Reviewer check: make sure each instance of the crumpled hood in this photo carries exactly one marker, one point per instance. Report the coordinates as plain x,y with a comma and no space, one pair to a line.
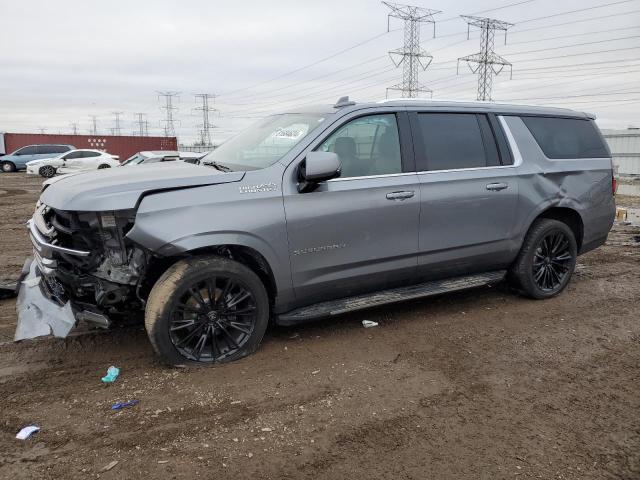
120,188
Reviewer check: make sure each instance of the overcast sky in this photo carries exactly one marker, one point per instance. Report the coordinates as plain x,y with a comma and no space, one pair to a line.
64,60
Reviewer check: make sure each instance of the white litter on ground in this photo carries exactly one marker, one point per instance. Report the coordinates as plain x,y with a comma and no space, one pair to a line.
369,324
26,432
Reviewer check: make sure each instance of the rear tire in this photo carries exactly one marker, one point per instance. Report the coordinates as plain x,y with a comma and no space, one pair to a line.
8,167
206,310
546,260
103,166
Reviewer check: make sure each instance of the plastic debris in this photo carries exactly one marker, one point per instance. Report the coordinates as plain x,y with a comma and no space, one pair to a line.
26,432
369,324
109,466
112,374
127,404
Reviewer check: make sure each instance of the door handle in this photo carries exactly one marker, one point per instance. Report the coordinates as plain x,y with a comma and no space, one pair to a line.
496,187
400,195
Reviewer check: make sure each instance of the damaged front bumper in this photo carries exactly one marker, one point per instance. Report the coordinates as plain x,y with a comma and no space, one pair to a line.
37,315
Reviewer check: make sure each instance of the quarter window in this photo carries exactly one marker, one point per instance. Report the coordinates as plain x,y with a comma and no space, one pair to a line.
367,146
567,137
456,140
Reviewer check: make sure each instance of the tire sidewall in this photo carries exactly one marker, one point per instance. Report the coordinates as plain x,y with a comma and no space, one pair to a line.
171,286
526,268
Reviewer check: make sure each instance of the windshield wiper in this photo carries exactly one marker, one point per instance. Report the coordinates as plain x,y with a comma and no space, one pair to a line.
218,166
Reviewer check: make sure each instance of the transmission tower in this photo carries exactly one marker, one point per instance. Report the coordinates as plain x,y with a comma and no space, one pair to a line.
487,62
94,125
169,109
206,109
43,130
143,124
117,130
411,56
74,127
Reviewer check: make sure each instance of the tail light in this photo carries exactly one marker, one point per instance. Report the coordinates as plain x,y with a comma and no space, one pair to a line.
614,184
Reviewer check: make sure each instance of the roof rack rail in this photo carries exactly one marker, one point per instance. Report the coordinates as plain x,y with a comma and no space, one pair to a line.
344,102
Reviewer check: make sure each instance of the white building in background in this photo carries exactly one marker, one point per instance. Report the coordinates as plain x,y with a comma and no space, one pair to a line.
625,149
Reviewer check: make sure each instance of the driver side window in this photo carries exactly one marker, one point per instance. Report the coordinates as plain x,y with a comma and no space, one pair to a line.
366,146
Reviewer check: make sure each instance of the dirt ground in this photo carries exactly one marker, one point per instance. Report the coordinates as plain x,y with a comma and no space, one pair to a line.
478,385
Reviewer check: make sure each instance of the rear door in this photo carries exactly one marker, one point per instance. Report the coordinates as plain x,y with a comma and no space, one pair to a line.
358,232
468,190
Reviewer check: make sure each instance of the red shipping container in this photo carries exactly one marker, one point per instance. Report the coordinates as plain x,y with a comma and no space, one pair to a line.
123,146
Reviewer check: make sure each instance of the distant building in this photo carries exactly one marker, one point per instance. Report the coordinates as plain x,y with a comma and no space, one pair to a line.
625,148
122,145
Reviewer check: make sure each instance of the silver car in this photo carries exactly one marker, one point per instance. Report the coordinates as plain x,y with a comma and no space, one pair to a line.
320,212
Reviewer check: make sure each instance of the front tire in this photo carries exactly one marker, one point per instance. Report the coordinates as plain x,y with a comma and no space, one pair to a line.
206,310
47,171
8,167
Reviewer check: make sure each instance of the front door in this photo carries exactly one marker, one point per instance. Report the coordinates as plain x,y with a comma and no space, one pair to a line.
358,232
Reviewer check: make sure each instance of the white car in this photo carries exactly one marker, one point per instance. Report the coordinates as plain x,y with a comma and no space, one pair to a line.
72,161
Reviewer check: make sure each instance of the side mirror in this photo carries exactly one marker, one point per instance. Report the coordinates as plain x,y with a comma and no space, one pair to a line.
317,167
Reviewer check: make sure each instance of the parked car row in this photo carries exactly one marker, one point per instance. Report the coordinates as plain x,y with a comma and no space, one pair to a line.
50,160
18,159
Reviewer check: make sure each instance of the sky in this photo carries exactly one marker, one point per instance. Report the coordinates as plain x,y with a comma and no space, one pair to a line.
63,61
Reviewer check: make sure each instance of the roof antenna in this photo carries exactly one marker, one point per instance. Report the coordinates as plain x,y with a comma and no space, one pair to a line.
344,102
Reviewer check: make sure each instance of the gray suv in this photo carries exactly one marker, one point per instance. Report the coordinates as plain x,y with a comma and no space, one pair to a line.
320,212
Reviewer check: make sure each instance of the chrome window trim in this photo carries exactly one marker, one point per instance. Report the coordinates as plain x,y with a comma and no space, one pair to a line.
384,175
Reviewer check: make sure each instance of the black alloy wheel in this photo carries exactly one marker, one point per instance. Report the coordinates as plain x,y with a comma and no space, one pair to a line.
552,261
213,319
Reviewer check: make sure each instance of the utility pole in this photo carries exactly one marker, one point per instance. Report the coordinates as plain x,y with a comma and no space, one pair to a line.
411,56
117,130
169,109
74,127
143,124
487,62
94,125
206,126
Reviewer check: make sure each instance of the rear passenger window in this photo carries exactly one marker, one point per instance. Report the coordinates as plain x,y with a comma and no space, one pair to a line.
457,140
566,137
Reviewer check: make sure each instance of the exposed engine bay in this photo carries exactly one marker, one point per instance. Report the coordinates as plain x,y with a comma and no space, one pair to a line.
84,265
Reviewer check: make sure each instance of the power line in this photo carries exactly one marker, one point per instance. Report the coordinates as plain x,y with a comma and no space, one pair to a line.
411,56
488,62
375,37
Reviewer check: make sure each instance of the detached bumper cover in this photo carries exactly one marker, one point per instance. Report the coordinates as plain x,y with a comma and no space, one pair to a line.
37,315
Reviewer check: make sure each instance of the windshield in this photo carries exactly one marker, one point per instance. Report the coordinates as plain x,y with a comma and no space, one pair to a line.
134,160
264,143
